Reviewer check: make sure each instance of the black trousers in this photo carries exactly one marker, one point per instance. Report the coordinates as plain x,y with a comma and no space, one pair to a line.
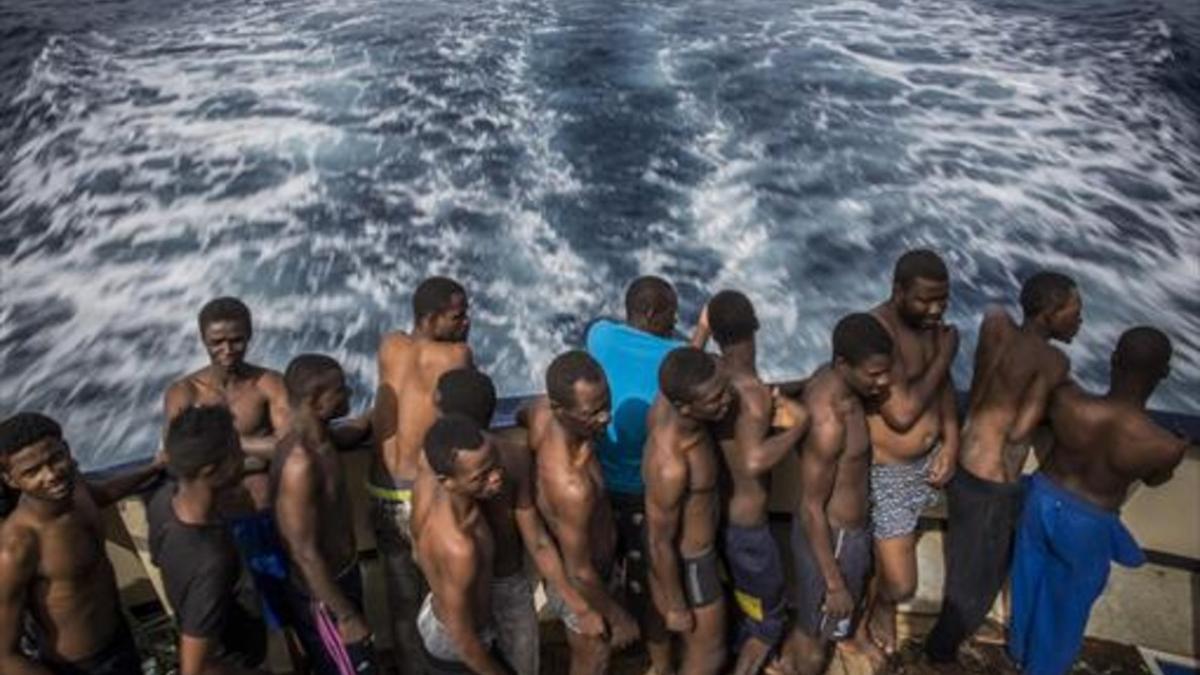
978,550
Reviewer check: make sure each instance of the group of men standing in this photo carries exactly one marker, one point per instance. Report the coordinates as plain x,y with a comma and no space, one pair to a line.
639,490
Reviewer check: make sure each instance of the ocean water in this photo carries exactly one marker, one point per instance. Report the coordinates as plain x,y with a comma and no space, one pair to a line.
319,158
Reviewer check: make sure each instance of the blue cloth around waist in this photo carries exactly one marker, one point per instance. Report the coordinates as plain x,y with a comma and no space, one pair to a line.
630,359
1077,529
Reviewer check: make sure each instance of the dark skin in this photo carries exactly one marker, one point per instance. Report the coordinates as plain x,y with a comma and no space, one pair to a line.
680,469
254,395
835,467
571,498
512,518
919,410
409,368
1015,371
195,503
52,559
456,550
751,452
1104,445
312,507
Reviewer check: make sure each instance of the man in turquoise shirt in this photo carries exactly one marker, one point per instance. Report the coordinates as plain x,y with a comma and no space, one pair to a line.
630,354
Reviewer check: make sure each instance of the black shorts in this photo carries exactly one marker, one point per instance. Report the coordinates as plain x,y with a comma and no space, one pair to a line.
702,578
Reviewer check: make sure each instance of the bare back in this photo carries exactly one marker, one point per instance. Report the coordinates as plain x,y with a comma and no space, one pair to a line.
72,593
1102,447
838,414
1014,374
409,368
913,353
562,483
670,447
747,505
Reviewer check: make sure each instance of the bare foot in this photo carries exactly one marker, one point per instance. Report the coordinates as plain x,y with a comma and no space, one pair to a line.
861,646
991,633
882,627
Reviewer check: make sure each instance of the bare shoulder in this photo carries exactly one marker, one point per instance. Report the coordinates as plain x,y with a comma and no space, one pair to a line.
754,397
450,549
536,418
18,547
996,321
270,383
393,345
183,391
442,356
298,466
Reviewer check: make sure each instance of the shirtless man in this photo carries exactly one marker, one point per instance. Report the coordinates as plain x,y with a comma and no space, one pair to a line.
409,367
258,400
1070,526
681,470
914,432
563,430
1015,371
312,511
513,520
456,549
255,395
751,452
831,531
52,559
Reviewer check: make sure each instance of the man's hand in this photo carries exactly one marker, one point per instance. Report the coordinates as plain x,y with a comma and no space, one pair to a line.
591,624
625,630
947,339
787,412
680,621
353,629
941,469
838,603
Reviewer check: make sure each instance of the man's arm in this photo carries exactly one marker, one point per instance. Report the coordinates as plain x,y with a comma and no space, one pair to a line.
113,490
818,474
946,460
196,658
454,582
353,432
910,397
573,507
757,450
270,383
702,331
387,398
1037,397
18,563
537,539
665,492
296,514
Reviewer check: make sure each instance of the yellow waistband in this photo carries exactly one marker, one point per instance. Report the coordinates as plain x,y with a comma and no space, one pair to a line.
389,494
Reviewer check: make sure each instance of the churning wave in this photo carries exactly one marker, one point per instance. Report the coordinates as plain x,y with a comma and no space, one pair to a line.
319,158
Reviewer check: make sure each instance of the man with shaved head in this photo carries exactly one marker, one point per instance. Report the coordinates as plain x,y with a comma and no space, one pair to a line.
681,472
1070,528
914,431
410,364
1016,368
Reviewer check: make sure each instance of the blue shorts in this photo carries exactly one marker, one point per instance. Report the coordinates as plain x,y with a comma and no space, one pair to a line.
258,542
758,581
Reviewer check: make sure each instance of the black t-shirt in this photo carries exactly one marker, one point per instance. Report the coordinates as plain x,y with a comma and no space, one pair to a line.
201,572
